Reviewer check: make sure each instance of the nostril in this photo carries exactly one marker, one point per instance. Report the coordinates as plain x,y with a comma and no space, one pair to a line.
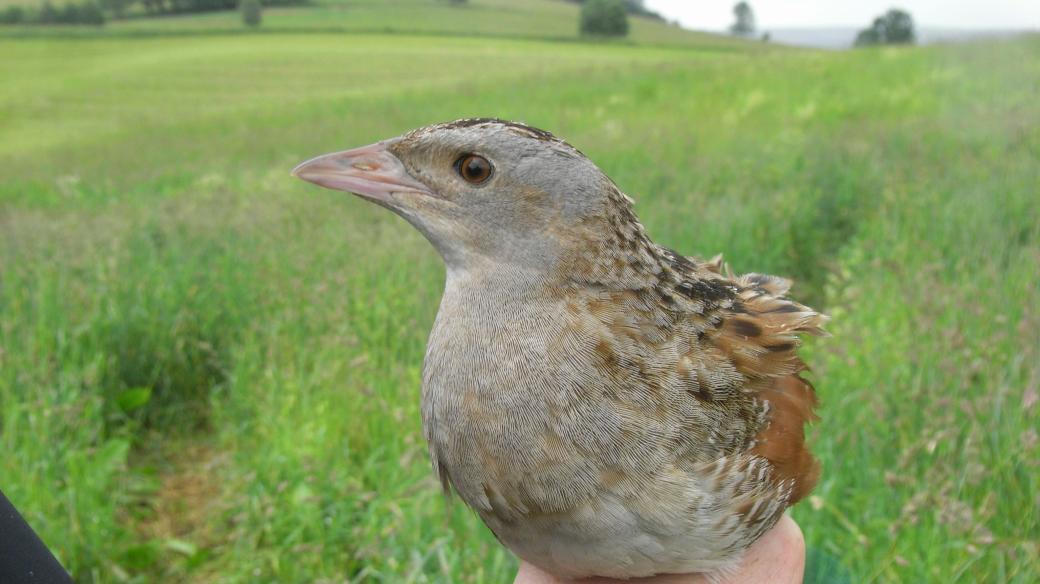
365,166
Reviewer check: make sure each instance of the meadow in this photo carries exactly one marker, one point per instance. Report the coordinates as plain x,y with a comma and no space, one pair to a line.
209,371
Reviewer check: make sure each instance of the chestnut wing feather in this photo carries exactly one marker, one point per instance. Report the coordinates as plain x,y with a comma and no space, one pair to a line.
759,333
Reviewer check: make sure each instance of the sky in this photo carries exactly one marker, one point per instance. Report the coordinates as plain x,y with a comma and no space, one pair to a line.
971,14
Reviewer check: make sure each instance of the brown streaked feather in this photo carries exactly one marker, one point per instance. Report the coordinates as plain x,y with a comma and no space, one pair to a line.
782,442
753,331
762,341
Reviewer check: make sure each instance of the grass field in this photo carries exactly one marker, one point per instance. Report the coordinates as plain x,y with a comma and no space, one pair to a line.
210,372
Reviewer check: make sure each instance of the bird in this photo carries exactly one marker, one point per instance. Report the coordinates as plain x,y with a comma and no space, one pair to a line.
606,405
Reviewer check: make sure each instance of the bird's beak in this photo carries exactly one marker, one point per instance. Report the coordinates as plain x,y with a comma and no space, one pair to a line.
372,172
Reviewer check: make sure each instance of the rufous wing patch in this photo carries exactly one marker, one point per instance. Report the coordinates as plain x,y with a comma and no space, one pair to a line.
761,336
782,442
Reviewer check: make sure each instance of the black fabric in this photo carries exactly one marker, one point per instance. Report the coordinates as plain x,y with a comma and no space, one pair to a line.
24,559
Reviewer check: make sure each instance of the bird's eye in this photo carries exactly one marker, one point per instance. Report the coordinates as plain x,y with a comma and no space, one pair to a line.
474,169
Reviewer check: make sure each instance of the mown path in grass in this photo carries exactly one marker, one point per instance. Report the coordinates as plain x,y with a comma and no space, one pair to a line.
150,237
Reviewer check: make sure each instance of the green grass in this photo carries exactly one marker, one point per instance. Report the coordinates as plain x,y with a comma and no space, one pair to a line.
150,237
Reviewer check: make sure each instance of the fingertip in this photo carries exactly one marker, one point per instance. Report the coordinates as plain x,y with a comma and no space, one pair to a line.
529,574
791,533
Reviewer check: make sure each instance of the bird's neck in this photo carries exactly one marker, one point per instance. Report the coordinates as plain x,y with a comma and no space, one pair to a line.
613,251
607,250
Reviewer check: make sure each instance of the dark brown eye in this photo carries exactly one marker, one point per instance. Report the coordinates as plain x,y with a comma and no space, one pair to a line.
475,169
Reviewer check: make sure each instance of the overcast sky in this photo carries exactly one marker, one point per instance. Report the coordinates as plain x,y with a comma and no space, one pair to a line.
983,14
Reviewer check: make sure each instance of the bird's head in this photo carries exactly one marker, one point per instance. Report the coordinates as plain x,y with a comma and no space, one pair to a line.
480,190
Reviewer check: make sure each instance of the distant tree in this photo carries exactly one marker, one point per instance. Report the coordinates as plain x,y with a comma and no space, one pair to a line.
745,20
48,13
899,27
604,18
638,8
117,8
635,7
69,14
12,15
91,13
252,12
895,27
766,37
869,36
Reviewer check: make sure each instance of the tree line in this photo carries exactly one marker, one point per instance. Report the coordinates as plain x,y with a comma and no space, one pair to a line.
604,18
96,12
89,12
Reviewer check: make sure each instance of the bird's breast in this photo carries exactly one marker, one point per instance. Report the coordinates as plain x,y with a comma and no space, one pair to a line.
492,409
527,413
560,420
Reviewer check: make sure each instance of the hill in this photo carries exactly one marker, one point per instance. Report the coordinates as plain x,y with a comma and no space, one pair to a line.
536,19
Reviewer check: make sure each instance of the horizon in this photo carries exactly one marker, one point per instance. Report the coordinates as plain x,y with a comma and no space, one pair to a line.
1009,15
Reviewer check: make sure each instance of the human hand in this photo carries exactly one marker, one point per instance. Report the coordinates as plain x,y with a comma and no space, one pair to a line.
777,558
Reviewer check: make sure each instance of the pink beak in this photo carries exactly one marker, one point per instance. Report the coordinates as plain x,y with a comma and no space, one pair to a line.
371,171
